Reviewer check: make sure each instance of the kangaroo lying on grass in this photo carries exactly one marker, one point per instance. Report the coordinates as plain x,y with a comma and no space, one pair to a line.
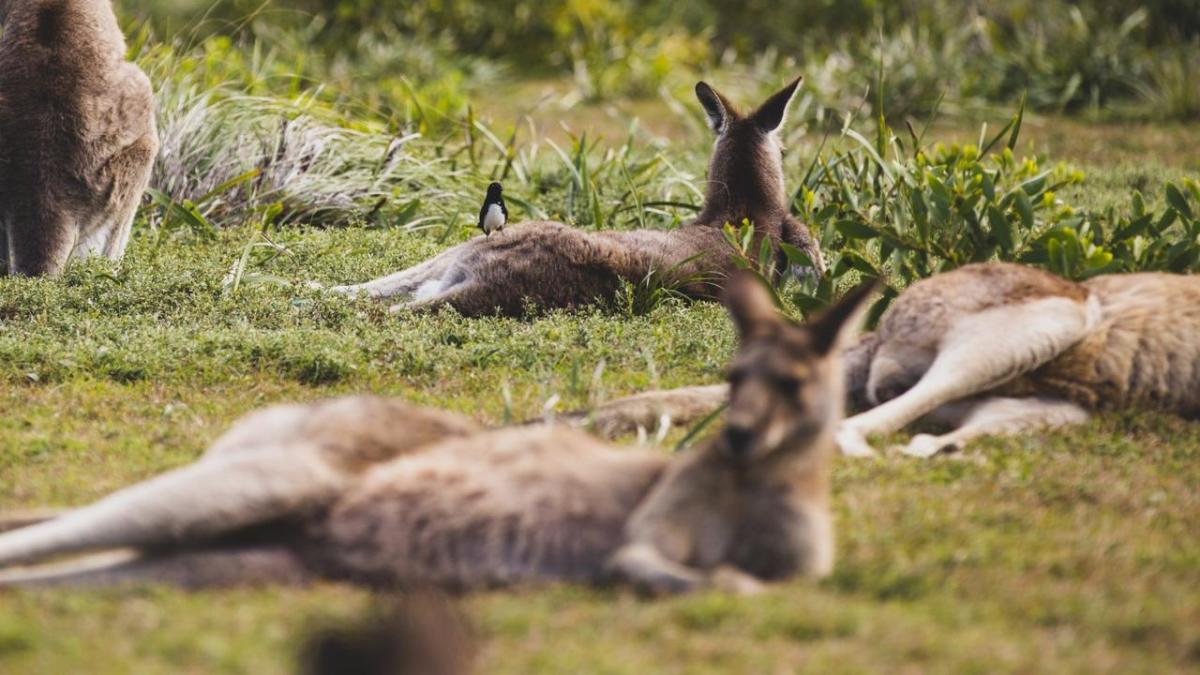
997,348
379,492
551,265
1002,348
77,135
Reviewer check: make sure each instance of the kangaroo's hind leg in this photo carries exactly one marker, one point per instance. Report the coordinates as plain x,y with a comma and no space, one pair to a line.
978,352
219,567
206,499
407,281
466,295
131,169
998,415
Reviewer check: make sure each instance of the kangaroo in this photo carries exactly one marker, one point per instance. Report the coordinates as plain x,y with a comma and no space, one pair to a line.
78,135
418,633
382,493
550,265
995,348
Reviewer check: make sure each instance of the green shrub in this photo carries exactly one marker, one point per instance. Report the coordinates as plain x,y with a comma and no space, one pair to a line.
902,212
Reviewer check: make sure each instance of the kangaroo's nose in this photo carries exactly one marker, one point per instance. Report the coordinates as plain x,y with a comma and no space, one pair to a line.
737,439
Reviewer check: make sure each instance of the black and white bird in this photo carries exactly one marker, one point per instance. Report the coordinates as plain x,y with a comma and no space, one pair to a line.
494,214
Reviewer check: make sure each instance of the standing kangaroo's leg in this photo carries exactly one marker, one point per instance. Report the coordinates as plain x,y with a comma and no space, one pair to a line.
133,165
3,248
999,415
407,281
39,244
977,353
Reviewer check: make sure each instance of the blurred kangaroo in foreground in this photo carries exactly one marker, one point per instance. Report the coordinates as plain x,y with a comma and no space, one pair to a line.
551,265
380,492
77,135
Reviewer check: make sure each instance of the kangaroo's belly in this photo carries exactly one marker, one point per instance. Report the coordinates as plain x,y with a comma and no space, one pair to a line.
1145,352
499,508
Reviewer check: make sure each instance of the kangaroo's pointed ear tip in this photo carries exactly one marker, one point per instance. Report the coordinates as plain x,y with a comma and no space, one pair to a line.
703,88
749,302
742,282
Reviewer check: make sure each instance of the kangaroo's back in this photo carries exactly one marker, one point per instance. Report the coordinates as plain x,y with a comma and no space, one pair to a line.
1143,353
502,507
78,131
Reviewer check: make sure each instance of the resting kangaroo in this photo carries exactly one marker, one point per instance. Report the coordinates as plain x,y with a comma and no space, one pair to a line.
551,265
996,348
379,492
1001,348
77,131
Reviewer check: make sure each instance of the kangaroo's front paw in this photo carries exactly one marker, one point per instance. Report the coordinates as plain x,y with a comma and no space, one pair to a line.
853,443
735,582
644,568
926,445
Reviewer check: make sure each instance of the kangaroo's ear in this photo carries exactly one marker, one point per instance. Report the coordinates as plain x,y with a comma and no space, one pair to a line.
720,112
771,114
750,305
835,326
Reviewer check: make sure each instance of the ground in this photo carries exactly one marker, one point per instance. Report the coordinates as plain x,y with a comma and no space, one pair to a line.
1076,551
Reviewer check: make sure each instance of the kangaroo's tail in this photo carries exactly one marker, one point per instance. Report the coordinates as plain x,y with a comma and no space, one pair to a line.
214,496
647,410
856,361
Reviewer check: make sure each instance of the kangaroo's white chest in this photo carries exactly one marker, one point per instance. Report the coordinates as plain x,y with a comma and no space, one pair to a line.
493,220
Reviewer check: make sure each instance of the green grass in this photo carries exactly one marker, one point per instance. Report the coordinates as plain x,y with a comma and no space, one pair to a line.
1064,552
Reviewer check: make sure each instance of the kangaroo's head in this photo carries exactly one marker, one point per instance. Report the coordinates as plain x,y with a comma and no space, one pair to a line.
786,389
745,174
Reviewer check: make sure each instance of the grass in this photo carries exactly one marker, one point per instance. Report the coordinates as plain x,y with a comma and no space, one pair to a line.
1064,552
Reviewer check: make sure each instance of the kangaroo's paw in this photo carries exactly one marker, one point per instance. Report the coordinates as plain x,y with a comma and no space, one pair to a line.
927,445
728,579
853,443
350,291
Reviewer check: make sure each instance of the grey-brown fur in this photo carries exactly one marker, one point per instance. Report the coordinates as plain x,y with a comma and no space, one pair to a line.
77,131
545,265
379,492
997,347
419,633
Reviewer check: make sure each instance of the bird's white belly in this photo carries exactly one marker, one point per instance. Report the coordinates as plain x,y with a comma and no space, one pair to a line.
494,219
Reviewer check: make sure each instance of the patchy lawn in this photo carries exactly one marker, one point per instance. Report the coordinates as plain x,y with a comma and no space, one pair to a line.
1069,552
